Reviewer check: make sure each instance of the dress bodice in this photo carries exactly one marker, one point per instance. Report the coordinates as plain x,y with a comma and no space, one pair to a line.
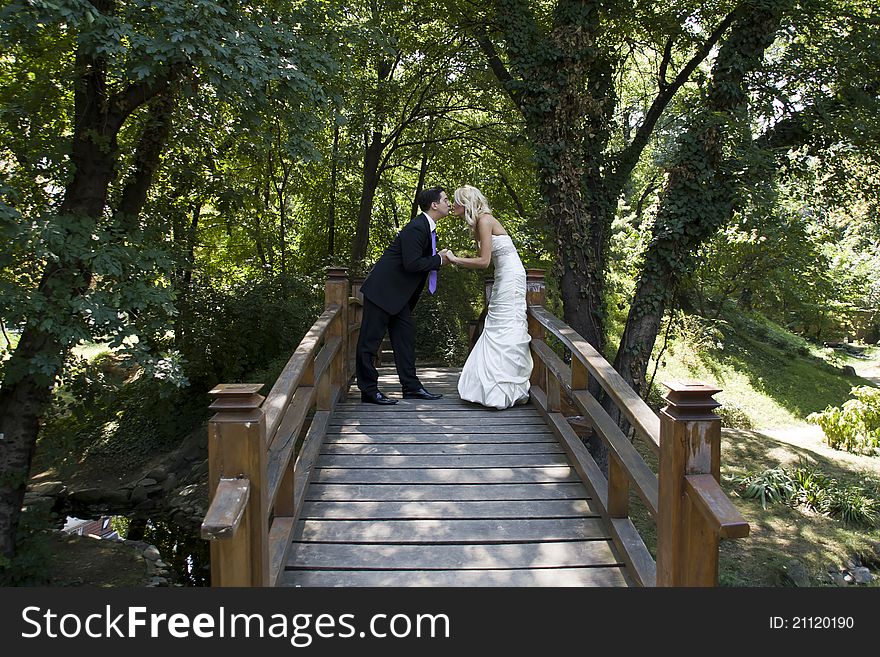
502,245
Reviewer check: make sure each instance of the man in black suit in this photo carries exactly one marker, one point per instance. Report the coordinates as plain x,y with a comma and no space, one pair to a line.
391,291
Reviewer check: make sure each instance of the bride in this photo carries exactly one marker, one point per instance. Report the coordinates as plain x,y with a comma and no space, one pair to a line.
498,368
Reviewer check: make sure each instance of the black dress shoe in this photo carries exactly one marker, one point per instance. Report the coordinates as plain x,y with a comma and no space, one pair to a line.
421,393
377,398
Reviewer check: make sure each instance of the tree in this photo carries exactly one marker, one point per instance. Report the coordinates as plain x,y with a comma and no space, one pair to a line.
560,66
88,275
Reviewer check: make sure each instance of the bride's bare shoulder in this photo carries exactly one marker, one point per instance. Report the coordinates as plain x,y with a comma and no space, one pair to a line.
487,219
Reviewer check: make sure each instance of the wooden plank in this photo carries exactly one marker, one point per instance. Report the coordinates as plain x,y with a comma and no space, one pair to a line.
498,530
443,461
467,419
642,477
227,509
379,429
373,438
283,443
335,556
512,415
441,492
354,404
579,577
289,380
413,449
325,356
584,464
446,475
640,563
279,546
303,469
723,518
360,510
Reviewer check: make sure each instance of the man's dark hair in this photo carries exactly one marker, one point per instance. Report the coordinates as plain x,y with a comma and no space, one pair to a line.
428,196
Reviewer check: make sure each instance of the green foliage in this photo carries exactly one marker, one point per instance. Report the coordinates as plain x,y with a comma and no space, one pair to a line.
187,554
33,550
769,486
229,331
854,426
853,505
811,489
733,416
124,422
442,318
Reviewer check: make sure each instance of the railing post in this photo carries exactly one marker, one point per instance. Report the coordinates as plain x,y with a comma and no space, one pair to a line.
475,326
356,311
335,294
236,449
690,443
536,296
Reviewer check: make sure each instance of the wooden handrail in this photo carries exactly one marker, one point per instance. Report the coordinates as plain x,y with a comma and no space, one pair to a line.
638,472
293,371
256,494
710,500
227,509
691,510
627,400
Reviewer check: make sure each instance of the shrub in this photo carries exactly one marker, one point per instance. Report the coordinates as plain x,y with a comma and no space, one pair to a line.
442,319
855,426
809,488
770,486
813,488
853,505
227,332
733,416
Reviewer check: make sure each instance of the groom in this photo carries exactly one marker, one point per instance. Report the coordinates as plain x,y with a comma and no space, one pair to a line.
390,294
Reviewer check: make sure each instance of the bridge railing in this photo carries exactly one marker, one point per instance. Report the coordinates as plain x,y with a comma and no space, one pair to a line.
262,451
691,511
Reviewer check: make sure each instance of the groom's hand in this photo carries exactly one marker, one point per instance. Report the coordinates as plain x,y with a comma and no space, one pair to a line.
444,258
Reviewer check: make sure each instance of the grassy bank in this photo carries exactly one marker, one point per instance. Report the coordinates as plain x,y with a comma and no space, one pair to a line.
771,381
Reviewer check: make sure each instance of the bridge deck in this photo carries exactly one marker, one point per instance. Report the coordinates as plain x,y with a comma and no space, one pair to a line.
446,493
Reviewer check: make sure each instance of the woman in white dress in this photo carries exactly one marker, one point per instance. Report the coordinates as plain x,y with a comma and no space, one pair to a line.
497,371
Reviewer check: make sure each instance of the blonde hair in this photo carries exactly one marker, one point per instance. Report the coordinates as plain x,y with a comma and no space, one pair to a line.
474,203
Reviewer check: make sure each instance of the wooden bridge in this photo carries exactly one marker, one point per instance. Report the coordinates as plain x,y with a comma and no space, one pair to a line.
310,487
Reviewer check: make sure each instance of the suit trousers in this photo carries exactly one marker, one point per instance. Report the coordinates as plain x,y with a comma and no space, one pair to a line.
401,331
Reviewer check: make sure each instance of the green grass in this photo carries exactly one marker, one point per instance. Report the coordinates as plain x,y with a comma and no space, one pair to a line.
773,383
772,379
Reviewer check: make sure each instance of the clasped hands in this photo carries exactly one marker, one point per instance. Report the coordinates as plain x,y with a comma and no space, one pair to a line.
447,257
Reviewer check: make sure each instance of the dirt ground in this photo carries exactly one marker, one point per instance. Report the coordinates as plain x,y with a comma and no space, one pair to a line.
84,561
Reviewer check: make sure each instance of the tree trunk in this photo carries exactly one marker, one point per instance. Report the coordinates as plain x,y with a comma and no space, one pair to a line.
368,194
331,219
40,355
700,193
423,173
154,137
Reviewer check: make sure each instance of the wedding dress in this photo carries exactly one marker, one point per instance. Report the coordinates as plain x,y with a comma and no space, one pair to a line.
497,371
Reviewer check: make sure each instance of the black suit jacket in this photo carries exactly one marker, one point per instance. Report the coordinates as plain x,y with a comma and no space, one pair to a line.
399,275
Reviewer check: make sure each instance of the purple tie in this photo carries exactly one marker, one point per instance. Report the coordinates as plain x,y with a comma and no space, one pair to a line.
432,275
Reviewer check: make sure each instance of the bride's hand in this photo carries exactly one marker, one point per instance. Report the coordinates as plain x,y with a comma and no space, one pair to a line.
450,256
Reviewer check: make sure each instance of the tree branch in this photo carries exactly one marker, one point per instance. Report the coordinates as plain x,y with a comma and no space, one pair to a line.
498,68
628,157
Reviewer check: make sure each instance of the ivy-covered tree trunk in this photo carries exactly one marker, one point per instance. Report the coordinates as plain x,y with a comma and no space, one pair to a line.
562,79
561,83
701,190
